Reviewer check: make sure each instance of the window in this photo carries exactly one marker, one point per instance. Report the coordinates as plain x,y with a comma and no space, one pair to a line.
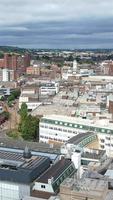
43,186
64,130
107,138
108,145
69,131
51,127
108,131
75,132
56,122
65,124
102,146
70,124
102,140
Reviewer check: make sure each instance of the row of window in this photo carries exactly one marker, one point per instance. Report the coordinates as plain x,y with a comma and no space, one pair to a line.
86,127
103,140
50,138
58,129
43,186
107,144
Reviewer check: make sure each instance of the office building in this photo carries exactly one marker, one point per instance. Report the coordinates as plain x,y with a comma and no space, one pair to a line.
56,128
18,172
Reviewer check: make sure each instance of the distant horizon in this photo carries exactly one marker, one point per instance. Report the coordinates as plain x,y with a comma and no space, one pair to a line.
65,49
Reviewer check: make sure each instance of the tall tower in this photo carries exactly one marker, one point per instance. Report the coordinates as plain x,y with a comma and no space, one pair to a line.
74,66
27,59
7,61
14,62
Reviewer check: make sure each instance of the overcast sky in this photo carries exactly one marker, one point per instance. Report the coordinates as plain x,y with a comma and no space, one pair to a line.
57,23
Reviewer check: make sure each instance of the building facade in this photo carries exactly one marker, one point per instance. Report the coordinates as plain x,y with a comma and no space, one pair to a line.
60,129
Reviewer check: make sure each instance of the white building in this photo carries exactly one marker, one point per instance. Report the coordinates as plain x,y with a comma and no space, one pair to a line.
55,128
61,128
49,89
5,75
13,191
68,71
30,97
74,66
31,105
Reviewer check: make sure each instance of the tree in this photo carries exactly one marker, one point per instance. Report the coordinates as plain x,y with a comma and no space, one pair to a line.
11,98
29,128
29,125
23,112
16,93
2,98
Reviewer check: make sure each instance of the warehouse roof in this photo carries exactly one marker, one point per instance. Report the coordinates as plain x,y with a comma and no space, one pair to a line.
55,171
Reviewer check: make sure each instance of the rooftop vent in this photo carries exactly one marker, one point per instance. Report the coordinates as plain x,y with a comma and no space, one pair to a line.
27,153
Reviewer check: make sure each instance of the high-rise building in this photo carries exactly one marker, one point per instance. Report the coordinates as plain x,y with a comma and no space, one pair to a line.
7,75
17,63
7,60
74,66
2,63
27,60
14,61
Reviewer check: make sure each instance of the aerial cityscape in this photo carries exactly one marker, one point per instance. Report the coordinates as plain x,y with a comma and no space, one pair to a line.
56,100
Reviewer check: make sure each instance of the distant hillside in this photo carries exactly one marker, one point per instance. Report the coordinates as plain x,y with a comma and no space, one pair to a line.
10,49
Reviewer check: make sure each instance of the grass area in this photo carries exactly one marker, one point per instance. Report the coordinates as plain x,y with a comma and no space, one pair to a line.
15,134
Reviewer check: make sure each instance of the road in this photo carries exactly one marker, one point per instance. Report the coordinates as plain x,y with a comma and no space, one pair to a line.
13,122
3,134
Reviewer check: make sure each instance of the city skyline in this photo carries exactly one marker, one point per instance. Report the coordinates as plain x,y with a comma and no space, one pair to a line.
57,24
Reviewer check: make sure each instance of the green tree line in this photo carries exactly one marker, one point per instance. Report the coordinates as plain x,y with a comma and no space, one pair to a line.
29,125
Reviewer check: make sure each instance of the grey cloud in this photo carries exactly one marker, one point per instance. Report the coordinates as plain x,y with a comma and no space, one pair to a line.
18,11
56,23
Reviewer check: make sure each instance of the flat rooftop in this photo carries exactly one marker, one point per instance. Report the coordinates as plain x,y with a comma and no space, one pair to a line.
53,109
15,167
66,106
18,160
98,78
93,154
94,187
109,195
103,123
34,146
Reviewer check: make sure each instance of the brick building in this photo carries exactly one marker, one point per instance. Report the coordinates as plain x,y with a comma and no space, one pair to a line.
15,62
